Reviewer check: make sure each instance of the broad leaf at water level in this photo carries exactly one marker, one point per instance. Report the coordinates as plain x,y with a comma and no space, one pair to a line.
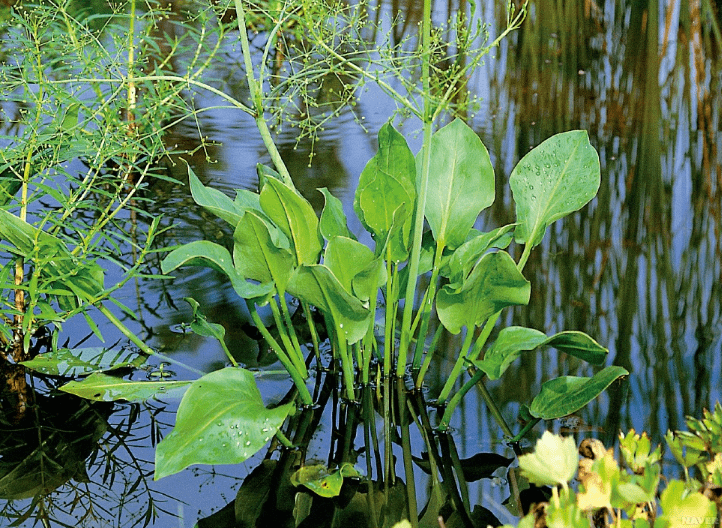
221,420
556,178
102,387
567,394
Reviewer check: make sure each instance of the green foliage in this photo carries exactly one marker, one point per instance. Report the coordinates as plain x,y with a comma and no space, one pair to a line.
614,496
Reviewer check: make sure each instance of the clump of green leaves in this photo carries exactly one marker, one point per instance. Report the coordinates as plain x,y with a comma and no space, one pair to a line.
627,495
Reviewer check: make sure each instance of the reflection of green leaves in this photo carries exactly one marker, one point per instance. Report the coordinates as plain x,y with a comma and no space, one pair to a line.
221,420
553,462
556,178
492,285
70,363
461,183
385,185
567,394
102,387
513,340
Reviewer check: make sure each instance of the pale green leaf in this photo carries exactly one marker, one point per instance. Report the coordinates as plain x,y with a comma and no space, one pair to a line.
214,201
333,219
221,420
553,462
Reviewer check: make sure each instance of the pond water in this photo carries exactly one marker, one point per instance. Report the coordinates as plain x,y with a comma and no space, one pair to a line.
639,269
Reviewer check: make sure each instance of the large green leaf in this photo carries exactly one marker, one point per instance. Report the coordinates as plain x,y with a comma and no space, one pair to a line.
386,183
257,257
333,219
567,394
215,256
514,340
317,285
492,285
217,203
221,420
72,363
461,183
556,178
103,387
295,217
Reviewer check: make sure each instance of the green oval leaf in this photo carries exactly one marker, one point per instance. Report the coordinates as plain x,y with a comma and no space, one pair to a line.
221,420
257,257
514,340
556,178
333,219
295,217
215,202
317,285
493,284
214,256
103,387
461,183
567,394
386,183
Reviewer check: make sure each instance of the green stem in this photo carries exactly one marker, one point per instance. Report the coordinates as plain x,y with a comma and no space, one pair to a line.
426,307
298,380
139,342
254,86
429,355
282,332
346,367
457,367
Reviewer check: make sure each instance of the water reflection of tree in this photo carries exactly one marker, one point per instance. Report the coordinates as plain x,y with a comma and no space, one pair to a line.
640,270
72,462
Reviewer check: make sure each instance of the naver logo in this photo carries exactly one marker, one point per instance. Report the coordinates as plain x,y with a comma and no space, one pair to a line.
693,520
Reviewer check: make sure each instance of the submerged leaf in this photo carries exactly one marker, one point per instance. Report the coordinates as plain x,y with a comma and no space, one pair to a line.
221,420
76,362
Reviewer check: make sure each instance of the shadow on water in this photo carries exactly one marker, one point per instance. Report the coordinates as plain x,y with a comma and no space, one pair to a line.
640,269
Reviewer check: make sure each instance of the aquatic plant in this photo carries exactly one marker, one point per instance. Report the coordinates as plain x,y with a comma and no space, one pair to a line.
627,494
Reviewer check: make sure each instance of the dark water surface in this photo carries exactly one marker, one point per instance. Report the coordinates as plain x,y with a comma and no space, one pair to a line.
639,269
